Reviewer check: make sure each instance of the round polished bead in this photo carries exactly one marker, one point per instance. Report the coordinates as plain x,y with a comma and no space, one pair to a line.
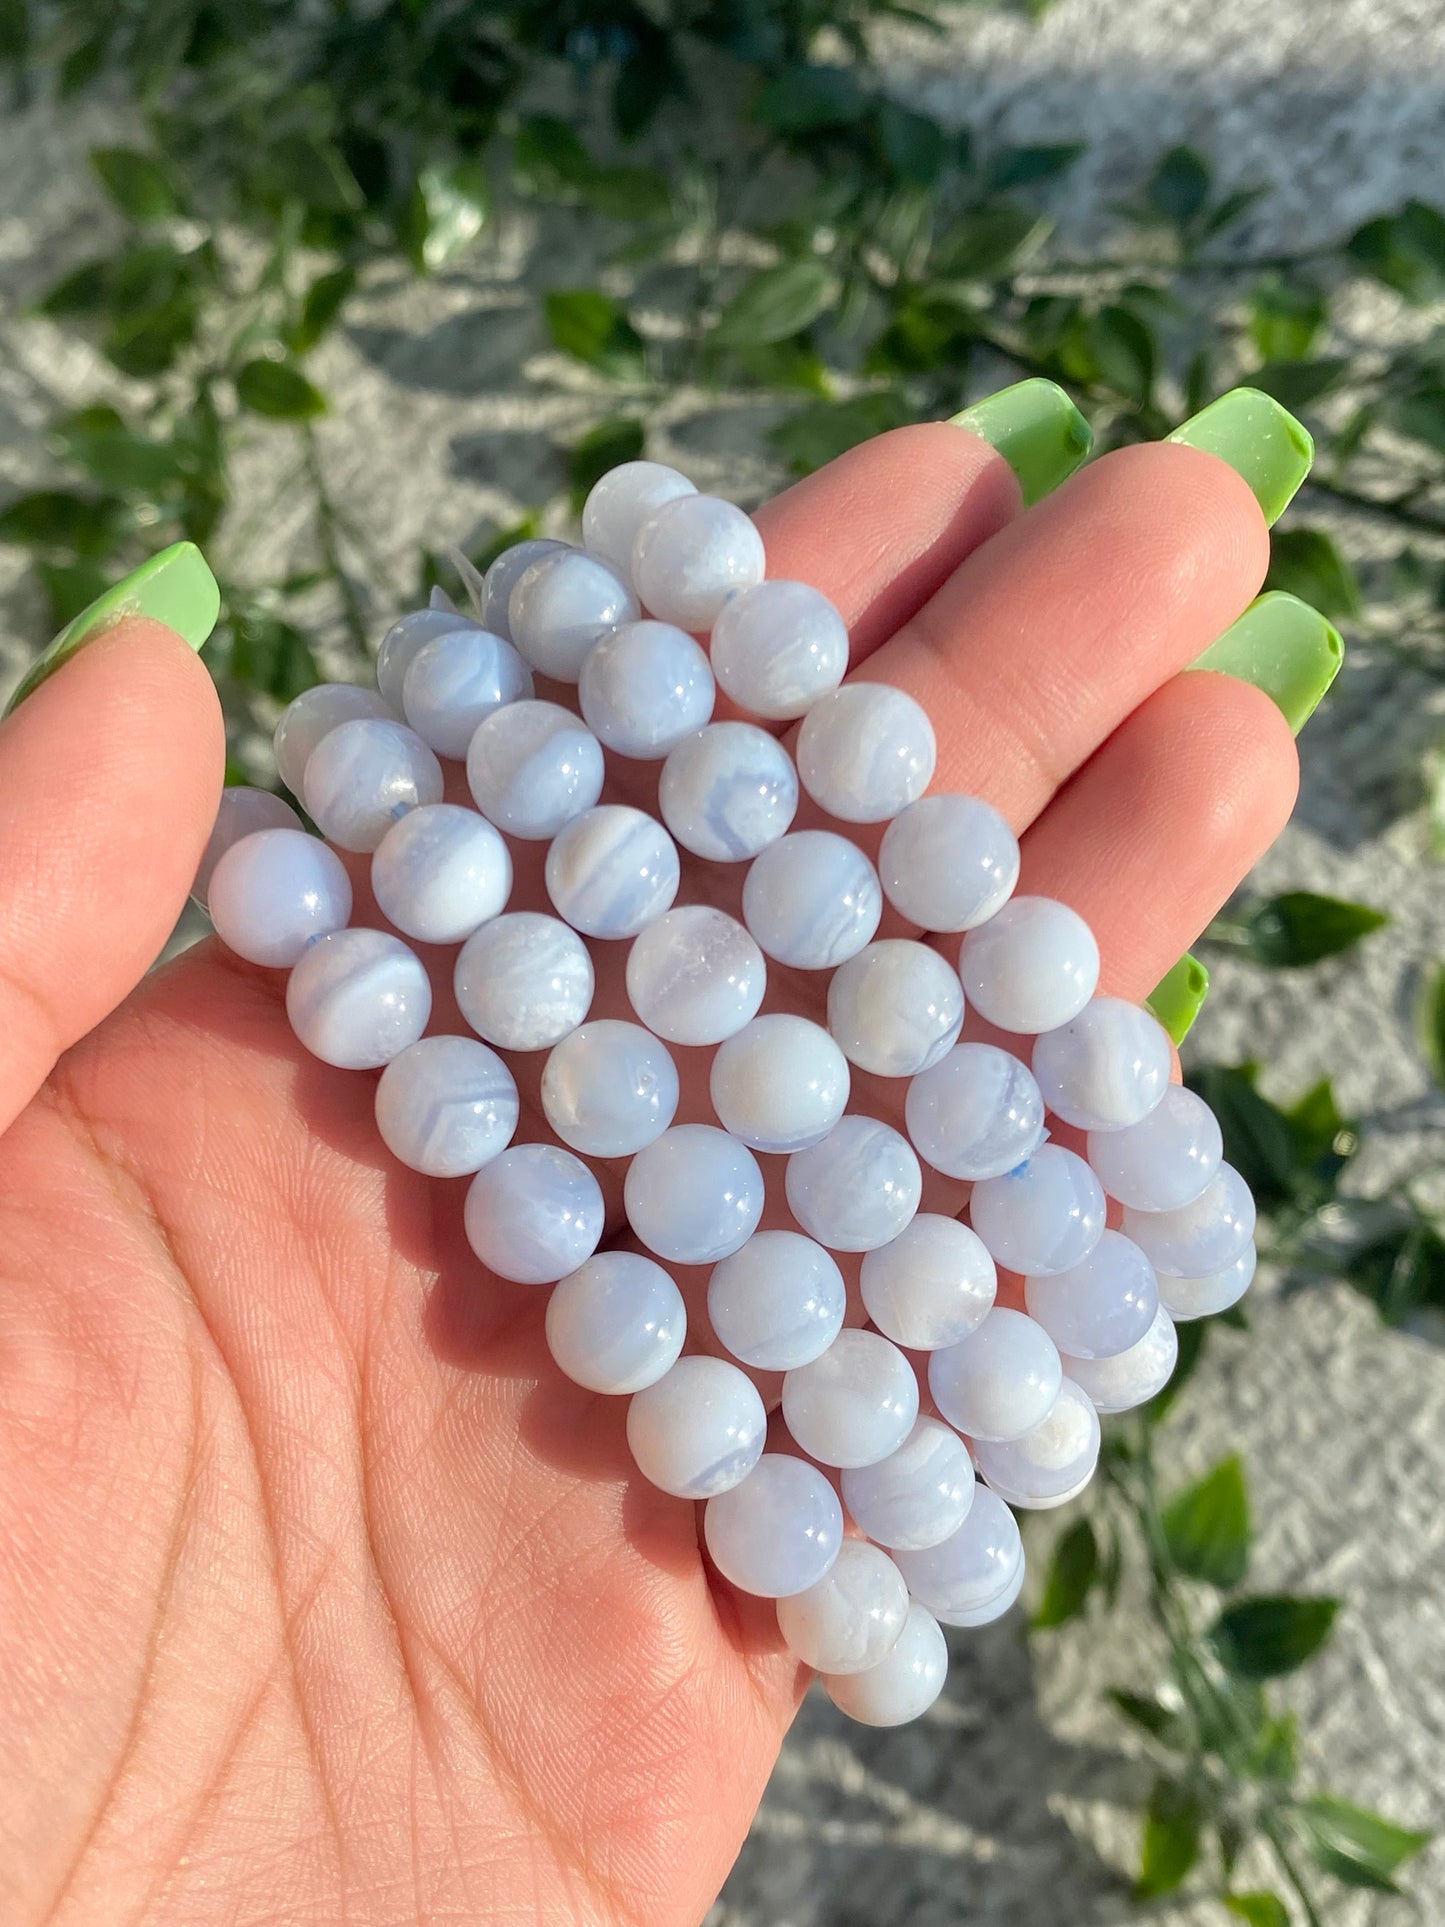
1166,1159
357,998
699,1429
850,1619
1186,1298
976,1113
446,1106
853,1405
620,501
780,1083
694,1195
865,752
1200,1237
402,643
695,976
524,981
995,1608
609,1088
1000,1381
778,1302
456,681
972,1567
812,899
690,555
1053,1462
904,1683
778,647
857,1187
241,812
1106,1068
532,767
1130,1378
440,873
948,862
504,575
931,1286
612,870
779,1531
314,714
728,791
1044,1217
534,1214
895,1008
1102,1305
616,1324
643,687
919,1494
274,892
560,608
1031,967
364,776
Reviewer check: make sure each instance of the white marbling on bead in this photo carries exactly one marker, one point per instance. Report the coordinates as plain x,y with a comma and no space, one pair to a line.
1202,1236
931,1285
812,899
504,575
857,1187
1106,1068
1216,1291
241,812
919,1494
1130,1378
643,687
446,1106
695,976
976,1113
778,1302
728,791
1000,1381
357,998
275,892
895,1008
1165,1160
616,1324
440,873
609,1088
948,862
534,1214
364,776
1031,967
690,555
780,1083
850,1619
778,647
699,1429
455,681
972,1567
401,643
865,752
620,501
996,1607
612,870
779,1531
1100,1306
1042,1218
314,714
904,1683
694,1195
532,767
524,981
853,1405
1052,1463
560,608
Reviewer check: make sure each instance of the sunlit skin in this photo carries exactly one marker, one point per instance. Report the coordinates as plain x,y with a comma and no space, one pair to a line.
323,1597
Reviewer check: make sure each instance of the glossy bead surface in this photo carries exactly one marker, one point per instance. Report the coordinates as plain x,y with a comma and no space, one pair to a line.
560,607
694,1195
976,1113
1042,1218
850,1619
504,575
1052,1463
919,1494
534,1213
728,791
1000,1381
857,1187
620,501
456,681
995,1608
609,1088
357,998
241,812
1100,1306
1130,1378
777,1303
695,976
931,1285
699,1429
1030,968
853,1405
446,1106
1202,1236
440,873
777,1532
1106,1068
865,752
972,1567
533,767
948,862
1165,1160
1187,1298
895,1008
616,1323
524,981
778,647
690,555
402,643
780,1083
643,687
364,776
904,1683
812,899
612,870
314,714
274,892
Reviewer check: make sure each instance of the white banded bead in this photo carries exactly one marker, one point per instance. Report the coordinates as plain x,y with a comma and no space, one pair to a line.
440,873
780,1083
505,573
853,1405
777,1532
534,1213
314,714
695,976
1166,1159
1130,1378
690,555
904,1683
356,998
694,1195
1000,1381
446,1106
241,812
1031,967
778,1302
976,1113
895,1008
643,687
974,1566
1042,1218
857,1187
931,1285
276,891
456,681
1202,1236
524,981
609,1088
865,752
1216,1291
1106,1068
778,647
917,1496
364,776
851,1618
532,767
612,870
615,1324
728,791
698,1430
561,606
402,643
948,862
620,501
812,899
1052,1463
995,1608
1100,1306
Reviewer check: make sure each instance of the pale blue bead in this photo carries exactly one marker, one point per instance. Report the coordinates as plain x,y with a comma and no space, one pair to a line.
1105,1069
358,997
778,647
904,1683
812,899
457,680
780,1083
695,976
948,862
241,812
1186,1298
275,892
504,575
931,1285
778,1531
1051,1464
693,1195
446,1106
853,1405
919,1494
851,1618
620,501
533,767
612,870
895,1008
857,1188
865,752
363,776
1100,1306
616,1324
560,608
524,981
690,555
1031,967
996,1607
1042,1218
401,643
1202,1236
974,1565
314,714
1130,1378
999,1382
778,1302
698,1430
728,791
440,873
534,1214
609,1088
1165,1160
643,687
976,1113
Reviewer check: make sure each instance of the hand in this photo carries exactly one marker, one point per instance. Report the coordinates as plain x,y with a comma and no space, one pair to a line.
323,1595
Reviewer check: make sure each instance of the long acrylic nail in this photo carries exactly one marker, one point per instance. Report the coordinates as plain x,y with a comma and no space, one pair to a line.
1178,997
1283,647
1037,430
1249,430
175,587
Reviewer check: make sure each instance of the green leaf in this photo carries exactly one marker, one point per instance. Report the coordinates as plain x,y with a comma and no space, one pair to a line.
1230,208
1275,1752
85,290
1165,1724
98,440
323,302
776,303
988,241
1180,186
1295,384
1285,319
1360,1848
71,587
628,193
814,435
1402,1271
447,212
914,146
593,328
1124,352
1207,1527
313,172
1430,1021
1258,1138
1258,1909
137,183
1324,1138
1027,166
1266,1637
606,445
1171,1840
1298,928
1071,1576
1306,563
62,520
14,29
548,154
808,100
1406,251
271,656
281,393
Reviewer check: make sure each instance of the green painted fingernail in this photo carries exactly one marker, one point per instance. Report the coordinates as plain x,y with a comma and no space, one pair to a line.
1249,430
1037,430
1177,998
175,587
1283,647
